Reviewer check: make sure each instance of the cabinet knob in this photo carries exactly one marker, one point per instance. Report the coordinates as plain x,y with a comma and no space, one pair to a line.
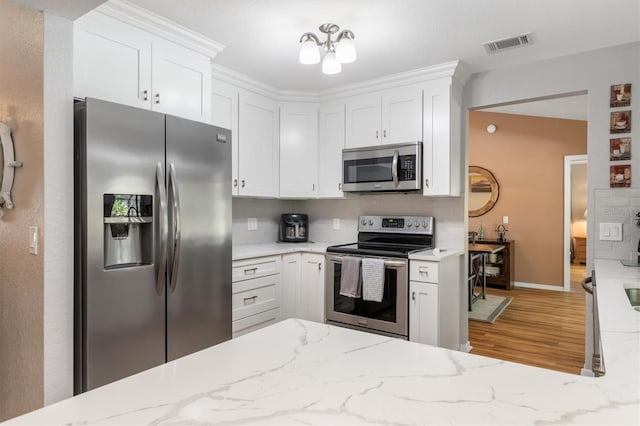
235,183
426,183
145,95
413,295
377,134
313,187
384,133
340,186
157,98
242,183
319,266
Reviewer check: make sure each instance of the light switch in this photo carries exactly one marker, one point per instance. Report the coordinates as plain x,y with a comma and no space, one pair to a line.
505,220
252,224
336,224
610,232
33,239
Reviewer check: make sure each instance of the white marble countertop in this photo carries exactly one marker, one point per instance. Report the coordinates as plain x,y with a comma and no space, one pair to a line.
303,372
247,251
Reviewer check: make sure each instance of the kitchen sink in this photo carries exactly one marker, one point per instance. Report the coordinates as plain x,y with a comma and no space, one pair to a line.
634,297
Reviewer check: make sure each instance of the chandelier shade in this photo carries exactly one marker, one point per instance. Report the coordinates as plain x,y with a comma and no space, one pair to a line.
340,51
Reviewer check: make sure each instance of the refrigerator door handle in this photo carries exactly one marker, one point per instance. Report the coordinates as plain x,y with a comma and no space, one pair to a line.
163,230
175,205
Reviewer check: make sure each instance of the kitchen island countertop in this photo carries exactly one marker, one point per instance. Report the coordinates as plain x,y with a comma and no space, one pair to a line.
302,372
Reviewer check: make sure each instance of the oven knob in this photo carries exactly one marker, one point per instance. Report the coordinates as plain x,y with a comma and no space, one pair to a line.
424,223
416,223
370,222
364,222
409,224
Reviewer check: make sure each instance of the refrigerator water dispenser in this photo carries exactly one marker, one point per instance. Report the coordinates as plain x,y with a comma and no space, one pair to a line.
128,230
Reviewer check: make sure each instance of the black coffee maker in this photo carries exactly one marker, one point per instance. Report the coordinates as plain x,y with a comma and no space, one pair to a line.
294,227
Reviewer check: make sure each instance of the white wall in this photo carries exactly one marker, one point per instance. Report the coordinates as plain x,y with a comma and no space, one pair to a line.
58,211
593,71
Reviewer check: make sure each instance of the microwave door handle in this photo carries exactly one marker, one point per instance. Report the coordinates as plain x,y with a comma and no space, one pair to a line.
394,168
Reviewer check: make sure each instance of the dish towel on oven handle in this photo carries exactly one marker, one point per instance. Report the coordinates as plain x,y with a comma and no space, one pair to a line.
350,281
372,279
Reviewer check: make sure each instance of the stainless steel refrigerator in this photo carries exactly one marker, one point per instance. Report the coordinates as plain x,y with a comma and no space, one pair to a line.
153,240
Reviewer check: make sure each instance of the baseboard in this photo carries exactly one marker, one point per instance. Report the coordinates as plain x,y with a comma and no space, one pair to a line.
466,347
538,286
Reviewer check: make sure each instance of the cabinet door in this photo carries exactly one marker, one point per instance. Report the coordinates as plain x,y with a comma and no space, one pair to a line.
330,151
363,121
258,160
441,152
181,82
290,307
298,150
224,113
312,287
423,313
111,61
402,115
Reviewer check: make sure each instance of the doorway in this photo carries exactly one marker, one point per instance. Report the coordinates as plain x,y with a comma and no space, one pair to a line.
575,219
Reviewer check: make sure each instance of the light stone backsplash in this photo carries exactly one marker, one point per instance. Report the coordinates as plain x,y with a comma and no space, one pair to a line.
617,206
448,212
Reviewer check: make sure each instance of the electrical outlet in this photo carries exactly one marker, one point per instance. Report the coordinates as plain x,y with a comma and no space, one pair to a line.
505,220
336,224
252,224
33,240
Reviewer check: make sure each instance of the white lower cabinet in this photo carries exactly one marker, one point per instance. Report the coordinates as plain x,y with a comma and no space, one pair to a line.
435,299
423,308
303,286
257,294
312,292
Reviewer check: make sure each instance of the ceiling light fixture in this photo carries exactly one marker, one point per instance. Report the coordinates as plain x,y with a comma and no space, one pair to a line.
339,51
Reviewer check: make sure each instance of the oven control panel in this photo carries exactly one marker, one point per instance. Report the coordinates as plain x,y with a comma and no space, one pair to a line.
397,224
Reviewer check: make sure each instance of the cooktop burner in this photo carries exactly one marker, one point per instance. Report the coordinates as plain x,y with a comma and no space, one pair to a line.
390,236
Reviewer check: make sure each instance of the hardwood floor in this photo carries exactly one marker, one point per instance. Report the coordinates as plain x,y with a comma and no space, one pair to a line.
540,328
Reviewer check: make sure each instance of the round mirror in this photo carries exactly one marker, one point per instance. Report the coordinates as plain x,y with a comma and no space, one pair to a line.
483,191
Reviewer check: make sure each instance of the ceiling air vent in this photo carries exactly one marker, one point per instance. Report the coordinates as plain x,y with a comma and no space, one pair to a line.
508,43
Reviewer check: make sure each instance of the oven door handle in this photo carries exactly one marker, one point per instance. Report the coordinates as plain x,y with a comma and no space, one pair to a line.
387,263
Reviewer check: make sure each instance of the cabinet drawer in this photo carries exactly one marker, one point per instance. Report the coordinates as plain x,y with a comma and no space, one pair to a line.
254,296
426,272
254,322
257,267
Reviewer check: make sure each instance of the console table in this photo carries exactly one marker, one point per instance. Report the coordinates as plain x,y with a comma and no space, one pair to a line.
500,273
478,261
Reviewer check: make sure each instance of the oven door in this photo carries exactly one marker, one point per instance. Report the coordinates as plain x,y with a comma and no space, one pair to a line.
388,316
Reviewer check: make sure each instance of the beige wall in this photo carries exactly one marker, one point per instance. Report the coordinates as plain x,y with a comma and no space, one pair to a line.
21,274
526,155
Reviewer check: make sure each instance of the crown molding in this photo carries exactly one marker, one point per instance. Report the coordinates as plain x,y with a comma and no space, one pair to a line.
454,70
157,25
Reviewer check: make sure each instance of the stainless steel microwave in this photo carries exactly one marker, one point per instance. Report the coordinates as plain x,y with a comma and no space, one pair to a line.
396,167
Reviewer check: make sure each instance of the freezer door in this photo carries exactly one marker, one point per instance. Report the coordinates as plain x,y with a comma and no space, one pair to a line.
123,315
199,265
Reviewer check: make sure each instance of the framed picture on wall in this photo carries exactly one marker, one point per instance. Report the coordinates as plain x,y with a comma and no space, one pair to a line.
620,149
620,176
620,95
620,122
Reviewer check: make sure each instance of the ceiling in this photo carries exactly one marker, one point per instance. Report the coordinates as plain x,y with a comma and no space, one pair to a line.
392,36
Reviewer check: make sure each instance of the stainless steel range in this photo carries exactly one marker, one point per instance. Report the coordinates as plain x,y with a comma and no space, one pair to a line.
392,239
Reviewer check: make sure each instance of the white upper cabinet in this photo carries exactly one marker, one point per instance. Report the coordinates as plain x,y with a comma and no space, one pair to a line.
118,62
392,116
363,121
181,81
298,150
330,151
111,61
224,113
258,158
441,169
